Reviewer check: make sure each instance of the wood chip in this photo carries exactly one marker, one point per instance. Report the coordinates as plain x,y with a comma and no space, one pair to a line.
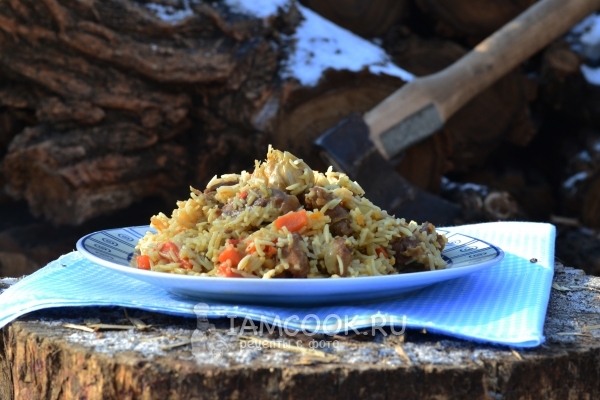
402,354
516,354
79,327
557,219
147,339
306,361
586,288
561,288
573,334
590,328
271,344
175,345
110,327
137,322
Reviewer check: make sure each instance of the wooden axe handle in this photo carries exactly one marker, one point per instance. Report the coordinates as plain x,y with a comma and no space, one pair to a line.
451,88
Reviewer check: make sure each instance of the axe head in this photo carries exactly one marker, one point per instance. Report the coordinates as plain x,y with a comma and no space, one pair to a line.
348,149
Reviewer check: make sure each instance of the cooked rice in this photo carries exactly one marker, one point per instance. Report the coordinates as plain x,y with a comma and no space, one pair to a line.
240,214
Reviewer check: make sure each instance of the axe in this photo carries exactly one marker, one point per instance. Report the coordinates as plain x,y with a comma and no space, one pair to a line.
363,146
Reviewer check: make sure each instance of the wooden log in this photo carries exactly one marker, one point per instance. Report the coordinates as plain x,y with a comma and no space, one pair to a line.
581,197
476,19
28,243
365,18
41,358
118,112
570,84
106,101
563,88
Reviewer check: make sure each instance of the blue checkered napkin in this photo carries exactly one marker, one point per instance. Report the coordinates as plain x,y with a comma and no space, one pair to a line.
504,304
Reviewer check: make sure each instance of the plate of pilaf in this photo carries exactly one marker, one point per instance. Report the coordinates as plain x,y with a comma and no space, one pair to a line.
285,234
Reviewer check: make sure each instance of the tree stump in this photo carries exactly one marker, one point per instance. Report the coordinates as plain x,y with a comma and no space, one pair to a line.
42,358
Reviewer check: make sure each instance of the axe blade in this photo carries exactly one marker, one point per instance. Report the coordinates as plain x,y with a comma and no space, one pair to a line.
348,149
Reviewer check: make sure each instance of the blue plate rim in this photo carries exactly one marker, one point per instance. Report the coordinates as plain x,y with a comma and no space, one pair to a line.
440,275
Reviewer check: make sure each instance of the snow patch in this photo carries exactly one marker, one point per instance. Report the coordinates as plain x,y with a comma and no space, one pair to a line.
585,37
584,25
590,40
320,44
584,156
571,184
169,13
258,8
591,74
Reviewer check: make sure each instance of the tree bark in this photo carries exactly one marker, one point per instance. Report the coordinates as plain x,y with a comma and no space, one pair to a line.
104,103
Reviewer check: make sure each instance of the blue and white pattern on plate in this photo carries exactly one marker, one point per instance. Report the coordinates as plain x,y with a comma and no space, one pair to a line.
114,248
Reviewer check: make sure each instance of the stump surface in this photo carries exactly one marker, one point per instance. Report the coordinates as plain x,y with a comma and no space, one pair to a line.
43,359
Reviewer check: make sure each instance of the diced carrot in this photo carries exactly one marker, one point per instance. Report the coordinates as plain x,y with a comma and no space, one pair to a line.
293,221
271,251
143,262
231,254
168,246
251,247
186,264
170,251
243,195
224,270
381,251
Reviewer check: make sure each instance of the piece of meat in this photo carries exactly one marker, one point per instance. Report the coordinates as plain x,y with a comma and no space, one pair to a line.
316,198
211,191
280,200
407,249
261,202
284,202
296,257
229,210
214,187
340,221
338,247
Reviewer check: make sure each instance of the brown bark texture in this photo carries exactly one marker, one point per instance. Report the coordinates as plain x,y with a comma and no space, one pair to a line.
103,103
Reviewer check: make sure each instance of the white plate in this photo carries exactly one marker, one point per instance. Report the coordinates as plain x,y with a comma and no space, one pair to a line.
113,248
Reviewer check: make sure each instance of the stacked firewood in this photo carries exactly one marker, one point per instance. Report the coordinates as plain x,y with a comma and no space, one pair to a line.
117,105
